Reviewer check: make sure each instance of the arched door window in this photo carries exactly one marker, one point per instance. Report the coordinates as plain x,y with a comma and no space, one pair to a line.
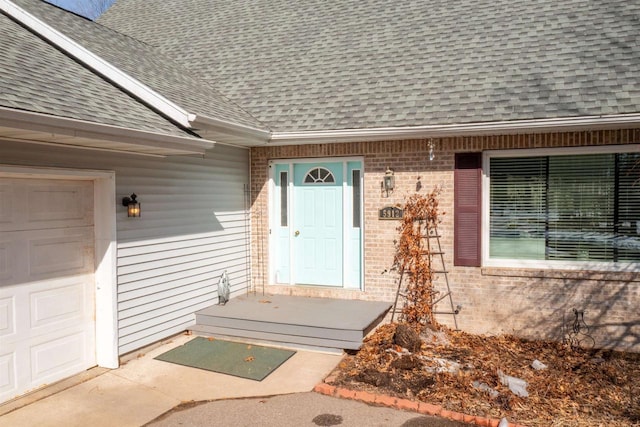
319,175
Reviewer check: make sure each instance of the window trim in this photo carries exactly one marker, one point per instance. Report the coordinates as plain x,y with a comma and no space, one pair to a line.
544,264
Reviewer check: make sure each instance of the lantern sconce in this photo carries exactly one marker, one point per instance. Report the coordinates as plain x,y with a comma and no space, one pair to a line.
133,206
432,154
389,181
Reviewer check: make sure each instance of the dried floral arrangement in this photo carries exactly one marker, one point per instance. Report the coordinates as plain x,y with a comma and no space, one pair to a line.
413,258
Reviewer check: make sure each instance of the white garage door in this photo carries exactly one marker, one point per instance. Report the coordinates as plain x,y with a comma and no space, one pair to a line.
47,322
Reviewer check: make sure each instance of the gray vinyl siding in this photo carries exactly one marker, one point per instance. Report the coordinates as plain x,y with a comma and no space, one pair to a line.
193,228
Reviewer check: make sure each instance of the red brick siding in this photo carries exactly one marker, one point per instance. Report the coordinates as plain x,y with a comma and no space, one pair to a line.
529,303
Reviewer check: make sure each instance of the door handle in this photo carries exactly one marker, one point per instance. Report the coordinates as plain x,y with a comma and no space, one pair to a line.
297,233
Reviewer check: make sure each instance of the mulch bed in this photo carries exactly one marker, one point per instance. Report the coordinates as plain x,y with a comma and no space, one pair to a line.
462,372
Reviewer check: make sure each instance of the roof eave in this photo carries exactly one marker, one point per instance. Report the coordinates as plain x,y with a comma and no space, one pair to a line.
37,127
566,124
226,132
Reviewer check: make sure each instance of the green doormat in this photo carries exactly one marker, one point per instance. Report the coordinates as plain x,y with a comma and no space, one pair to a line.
241,360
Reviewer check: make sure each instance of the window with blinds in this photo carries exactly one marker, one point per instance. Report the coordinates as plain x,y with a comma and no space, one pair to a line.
566,208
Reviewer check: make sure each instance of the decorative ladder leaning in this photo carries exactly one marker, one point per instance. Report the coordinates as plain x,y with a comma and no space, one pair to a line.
433,249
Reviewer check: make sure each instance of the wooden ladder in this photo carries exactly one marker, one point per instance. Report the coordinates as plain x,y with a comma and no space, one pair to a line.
433,249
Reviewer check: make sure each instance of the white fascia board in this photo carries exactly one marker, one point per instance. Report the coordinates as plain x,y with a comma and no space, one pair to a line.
210,124
568,124
26,120
96,63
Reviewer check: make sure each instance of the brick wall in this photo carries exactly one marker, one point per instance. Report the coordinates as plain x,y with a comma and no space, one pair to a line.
529,303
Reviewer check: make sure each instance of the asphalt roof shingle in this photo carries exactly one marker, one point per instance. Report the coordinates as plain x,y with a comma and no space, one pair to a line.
41,79
144,63
350,64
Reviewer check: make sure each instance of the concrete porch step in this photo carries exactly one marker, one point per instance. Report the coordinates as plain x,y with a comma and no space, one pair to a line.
277,339
321,323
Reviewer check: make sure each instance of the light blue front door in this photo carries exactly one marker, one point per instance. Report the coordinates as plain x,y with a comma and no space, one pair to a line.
318,223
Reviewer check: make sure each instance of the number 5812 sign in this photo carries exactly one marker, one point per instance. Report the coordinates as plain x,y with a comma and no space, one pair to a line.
390,212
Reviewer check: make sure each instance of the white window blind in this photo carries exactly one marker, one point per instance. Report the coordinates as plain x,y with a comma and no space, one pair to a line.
627,227
581,207
518,208
568,208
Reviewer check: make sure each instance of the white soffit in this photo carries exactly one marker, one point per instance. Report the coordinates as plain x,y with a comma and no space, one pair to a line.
42,128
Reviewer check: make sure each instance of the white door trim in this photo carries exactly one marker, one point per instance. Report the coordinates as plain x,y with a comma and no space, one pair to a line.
345,230
271,209
104,187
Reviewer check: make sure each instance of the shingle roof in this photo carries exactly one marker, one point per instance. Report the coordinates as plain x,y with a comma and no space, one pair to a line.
352,64
143,63
36,77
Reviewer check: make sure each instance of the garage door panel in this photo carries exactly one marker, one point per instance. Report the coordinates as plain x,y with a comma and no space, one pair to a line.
46,307
5,271
33,255
53,306
36,204
43,359
54,253
11,269
14,375
7,205
7,374
68,201
7,316
17,309
58,356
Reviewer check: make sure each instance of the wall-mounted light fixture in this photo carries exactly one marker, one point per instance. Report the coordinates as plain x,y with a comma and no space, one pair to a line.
389,181
432,154
133,206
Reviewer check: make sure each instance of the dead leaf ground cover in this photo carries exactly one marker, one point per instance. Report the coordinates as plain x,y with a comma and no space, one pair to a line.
577,388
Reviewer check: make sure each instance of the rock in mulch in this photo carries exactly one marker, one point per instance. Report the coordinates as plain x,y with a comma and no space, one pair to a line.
439,365
516,385
406,363
486,388
538,365
405,336
419,382
399,383
374,377
435,337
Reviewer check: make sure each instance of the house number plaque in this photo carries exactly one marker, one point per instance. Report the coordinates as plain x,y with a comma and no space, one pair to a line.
390,212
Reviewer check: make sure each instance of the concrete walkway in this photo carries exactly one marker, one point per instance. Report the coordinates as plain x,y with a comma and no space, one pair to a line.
145,391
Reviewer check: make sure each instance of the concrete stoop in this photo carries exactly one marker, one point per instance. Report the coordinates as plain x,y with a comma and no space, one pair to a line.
406,405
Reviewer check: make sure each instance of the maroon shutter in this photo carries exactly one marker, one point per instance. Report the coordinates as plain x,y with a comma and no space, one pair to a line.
467,184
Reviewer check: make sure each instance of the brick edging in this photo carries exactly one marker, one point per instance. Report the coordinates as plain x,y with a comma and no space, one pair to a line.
406,405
